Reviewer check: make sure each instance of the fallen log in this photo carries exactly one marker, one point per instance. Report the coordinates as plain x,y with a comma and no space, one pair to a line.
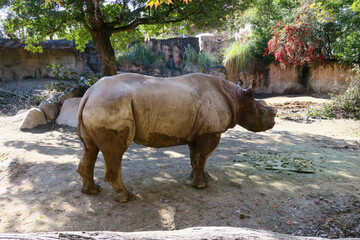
196,233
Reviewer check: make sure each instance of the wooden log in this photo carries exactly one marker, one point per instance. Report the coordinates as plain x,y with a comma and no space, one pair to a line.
196,233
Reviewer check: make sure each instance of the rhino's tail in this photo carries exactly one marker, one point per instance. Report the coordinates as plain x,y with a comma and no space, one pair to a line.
80,123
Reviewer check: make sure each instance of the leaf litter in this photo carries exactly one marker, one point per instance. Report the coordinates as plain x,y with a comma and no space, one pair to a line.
279,162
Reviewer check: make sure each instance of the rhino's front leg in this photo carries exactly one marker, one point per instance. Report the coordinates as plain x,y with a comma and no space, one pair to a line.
200,150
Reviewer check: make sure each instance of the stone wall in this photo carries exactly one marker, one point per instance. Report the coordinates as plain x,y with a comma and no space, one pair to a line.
18,63
323,79
214,44
173,49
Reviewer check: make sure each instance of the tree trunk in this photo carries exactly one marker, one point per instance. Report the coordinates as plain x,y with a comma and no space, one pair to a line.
106,51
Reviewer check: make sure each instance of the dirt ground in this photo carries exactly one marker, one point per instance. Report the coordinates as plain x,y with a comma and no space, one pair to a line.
300,178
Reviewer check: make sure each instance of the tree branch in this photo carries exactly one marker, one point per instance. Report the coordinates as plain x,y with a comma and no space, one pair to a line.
148,21
55,30
120,19
86,25
94,14
131,26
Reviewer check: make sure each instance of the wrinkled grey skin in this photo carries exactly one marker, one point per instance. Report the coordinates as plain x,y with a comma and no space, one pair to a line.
161,112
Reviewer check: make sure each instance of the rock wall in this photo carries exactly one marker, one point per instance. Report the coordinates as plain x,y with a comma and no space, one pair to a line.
18,63
214,44
173,49
324,79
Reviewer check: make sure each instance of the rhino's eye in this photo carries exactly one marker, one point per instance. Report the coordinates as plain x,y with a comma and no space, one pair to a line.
262,103
261,110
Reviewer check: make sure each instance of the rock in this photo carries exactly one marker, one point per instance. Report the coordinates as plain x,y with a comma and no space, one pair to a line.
190,68
72,94
54,97
173,49
29,119
219,71
68,113
50,108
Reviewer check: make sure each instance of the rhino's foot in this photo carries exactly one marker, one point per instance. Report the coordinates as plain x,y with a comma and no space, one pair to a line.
124,197
91,189
200,181
200,185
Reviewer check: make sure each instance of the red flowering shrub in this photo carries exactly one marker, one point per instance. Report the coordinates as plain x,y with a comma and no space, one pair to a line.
297,44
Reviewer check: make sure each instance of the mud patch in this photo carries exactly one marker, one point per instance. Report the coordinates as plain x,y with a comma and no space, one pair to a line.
296,110
295,105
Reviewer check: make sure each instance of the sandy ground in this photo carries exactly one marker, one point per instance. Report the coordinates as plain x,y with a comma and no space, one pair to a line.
40,188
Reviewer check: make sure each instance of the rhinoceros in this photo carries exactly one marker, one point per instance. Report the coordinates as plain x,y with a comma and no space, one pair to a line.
194,109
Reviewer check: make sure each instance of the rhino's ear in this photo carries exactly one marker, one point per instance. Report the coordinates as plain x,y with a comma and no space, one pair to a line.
239,83
250,92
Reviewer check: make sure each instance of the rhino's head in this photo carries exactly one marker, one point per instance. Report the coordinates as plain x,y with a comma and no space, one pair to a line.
255,115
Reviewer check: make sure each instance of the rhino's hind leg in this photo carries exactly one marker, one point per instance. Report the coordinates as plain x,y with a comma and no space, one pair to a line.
86,167
200,150
113,145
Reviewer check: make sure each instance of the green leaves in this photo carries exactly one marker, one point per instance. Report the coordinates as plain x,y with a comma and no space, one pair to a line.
121,21
346,104
341,22
33,23
355,7
239,56
156,3
48,1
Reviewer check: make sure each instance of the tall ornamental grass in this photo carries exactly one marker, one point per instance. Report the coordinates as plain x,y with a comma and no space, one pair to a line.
238,56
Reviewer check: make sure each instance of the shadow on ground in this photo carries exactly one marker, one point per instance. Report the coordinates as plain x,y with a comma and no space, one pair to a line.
44,194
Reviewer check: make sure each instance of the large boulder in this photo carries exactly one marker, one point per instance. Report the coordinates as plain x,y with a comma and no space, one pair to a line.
68,112
27,119
50,108
71,94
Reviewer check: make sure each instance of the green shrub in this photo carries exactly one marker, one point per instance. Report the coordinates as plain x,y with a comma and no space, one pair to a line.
202,60
139,55
160,60
323,112
67,80
142,55
347,104
191,56
205,61
61,72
